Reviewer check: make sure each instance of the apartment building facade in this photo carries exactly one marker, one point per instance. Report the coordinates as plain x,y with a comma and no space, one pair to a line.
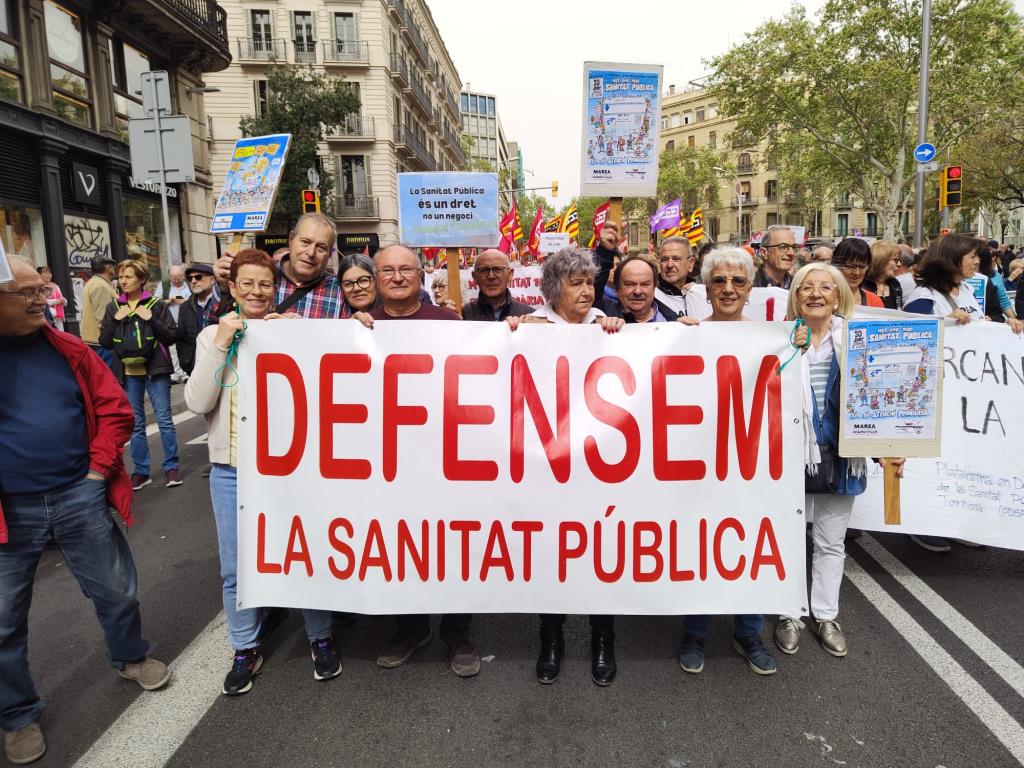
691,118
70,74
481,122
393,55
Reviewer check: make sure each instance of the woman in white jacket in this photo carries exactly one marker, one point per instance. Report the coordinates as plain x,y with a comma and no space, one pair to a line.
212,392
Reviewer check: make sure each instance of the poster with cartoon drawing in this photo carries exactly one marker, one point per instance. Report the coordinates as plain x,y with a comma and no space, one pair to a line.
253,176
891,391
621,111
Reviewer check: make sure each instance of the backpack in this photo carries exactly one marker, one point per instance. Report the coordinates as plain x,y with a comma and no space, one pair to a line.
134,340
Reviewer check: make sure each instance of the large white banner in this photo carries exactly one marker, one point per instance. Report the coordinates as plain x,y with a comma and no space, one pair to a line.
462,467
975,489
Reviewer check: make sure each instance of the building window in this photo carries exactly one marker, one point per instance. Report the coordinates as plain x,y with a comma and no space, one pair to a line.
771,189
745,227
259,89
465,102
126,67
691,141
745,191
490,106
670,145
745,163
712,140
872,224
772,219
664,123
687,117
843,225
303,36
352,178
712,111
10,53
713,226
674,120
21,230
472,103
344,28
261,41
700,114
68,73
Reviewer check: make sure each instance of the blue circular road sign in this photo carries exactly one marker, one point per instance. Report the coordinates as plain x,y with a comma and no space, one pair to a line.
924,152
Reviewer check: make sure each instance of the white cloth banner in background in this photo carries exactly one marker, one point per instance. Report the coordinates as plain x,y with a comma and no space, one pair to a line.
428,467
975,489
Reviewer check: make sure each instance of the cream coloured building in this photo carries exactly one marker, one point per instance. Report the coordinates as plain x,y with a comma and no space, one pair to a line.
690,117
393,54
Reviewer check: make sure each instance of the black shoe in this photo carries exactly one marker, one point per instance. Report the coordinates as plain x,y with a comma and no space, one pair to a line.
549,660
244,668
602,658
326,662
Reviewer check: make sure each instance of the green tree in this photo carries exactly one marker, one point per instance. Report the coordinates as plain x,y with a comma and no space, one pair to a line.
688,174
993,163
309,106
528,205
847,81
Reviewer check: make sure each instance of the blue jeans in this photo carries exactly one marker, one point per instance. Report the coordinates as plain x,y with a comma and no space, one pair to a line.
97,555
744,625
244,623
159,390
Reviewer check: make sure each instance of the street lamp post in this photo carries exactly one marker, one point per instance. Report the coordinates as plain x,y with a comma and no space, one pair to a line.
922,119
739,197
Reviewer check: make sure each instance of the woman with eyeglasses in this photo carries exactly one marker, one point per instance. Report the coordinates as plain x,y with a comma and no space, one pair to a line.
212,391
358,286
853,258
728,274
881,279
821,297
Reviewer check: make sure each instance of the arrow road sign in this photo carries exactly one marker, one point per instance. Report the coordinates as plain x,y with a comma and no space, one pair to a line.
924,152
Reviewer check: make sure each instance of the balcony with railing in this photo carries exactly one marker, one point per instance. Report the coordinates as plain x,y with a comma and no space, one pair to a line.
201,25
356,206
304,51
396,8
346,53
412,30
420,96
843,200
406,140
451,103
399,69
456,148
261,49
355,128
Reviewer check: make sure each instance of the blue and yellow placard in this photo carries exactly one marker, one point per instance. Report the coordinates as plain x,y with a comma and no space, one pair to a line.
254,174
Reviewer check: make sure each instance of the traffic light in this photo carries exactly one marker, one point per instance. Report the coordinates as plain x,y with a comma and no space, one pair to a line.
950,186
310,201
554,189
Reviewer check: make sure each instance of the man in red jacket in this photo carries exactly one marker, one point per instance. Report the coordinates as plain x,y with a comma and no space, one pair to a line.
64,420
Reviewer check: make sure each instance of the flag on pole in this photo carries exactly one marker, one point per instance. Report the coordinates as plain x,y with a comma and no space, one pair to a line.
667,216
517,227
600,217
571,222
555,225
533,244
695,228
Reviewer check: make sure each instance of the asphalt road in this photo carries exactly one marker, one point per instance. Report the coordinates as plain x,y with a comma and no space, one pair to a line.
933,677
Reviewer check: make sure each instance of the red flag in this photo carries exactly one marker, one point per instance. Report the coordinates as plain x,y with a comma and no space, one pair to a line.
505,246
517,227
600,217
533,244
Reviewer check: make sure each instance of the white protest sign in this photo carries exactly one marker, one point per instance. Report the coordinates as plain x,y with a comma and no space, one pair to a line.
550,242
975,489
425,468
448,210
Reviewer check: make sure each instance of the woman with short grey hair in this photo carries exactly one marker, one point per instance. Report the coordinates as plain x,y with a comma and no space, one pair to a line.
567,284
726,257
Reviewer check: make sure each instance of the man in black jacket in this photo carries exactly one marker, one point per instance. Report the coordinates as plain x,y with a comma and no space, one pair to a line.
492,273
196,313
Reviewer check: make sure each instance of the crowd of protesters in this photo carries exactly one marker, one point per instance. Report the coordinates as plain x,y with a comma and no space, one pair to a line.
135,344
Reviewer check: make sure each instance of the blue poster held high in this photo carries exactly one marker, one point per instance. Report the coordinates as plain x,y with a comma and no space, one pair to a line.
247,197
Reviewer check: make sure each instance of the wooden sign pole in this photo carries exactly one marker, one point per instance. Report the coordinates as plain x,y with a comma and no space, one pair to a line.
236,243
454,278
615,212
891,494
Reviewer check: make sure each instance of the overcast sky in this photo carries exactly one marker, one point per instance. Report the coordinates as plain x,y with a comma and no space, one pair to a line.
530,54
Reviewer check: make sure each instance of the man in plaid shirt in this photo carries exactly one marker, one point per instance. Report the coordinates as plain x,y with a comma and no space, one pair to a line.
304,269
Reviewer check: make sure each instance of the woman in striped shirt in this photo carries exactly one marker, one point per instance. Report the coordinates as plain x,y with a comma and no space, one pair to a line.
820,296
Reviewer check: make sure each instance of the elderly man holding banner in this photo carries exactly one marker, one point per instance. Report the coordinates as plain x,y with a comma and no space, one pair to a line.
399,276
567,284
728,274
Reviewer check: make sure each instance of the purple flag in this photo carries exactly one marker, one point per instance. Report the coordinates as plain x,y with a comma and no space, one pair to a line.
667,216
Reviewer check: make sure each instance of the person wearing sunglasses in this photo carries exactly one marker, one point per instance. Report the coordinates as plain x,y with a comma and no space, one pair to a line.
853,258
778,254
492,273
728,274
198,311
358,286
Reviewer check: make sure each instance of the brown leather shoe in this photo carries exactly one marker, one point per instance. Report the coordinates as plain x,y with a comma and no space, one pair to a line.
149,673
25,745
463,659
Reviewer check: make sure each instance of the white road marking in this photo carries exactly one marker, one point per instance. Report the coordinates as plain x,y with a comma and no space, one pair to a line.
201,440
974,638
148,733
177,418
1009,732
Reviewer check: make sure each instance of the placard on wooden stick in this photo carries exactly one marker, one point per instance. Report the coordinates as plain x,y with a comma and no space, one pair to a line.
891,391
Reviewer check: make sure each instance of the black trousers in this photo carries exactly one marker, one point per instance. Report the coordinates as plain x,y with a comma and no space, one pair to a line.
551,623
454,626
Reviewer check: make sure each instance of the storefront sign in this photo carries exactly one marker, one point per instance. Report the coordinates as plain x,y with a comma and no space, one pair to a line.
460,467
270,243
85,239
85,181
356,243
448,209
148,185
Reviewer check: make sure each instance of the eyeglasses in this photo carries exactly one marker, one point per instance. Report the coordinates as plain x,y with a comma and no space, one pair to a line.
826,289
783,247
360,282
853,267
265,286
388,273
197,276
490,271
719,281
31,295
